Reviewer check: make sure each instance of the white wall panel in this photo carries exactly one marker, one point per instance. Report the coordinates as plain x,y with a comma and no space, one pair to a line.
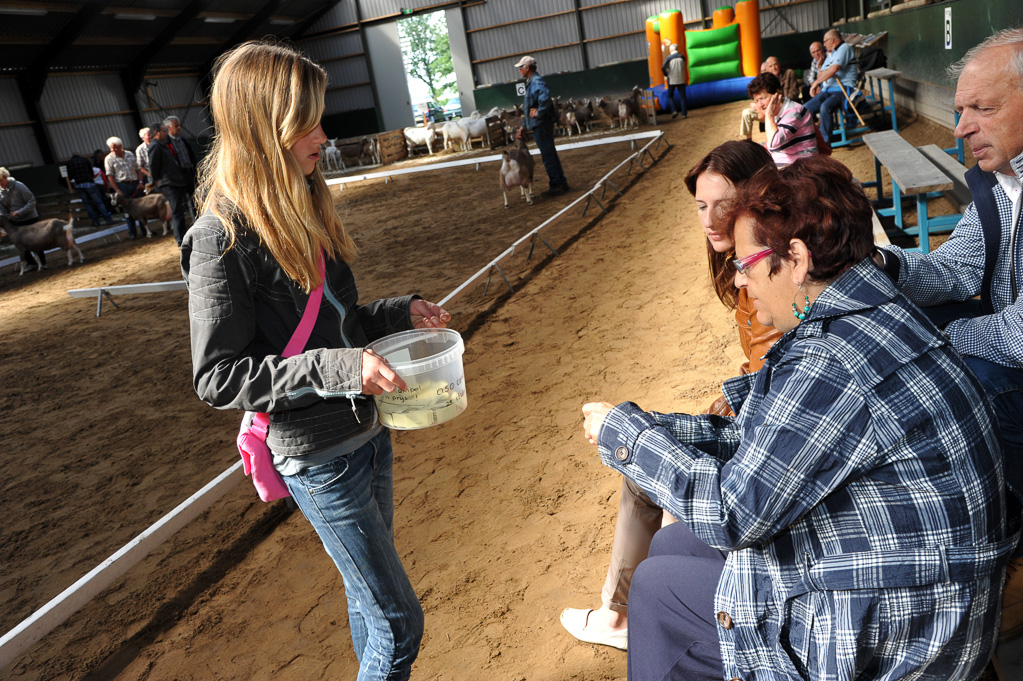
349,99
341,14
88,134
82,94
12,110
328,47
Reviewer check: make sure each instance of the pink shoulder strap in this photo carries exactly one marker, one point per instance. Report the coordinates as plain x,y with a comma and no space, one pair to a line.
312,308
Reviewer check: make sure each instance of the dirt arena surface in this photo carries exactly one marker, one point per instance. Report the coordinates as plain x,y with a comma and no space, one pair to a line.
504,516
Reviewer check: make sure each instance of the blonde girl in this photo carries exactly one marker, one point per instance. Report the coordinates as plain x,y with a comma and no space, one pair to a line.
251,261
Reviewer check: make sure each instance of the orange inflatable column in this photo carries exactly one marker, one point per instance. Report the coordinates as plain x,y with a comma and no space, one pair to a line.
748,18
723,16
654,59
673,30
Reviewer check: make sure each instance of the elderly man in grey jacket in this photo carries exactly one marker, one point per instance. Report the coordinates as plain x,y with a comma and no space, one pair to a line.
18,206
674,71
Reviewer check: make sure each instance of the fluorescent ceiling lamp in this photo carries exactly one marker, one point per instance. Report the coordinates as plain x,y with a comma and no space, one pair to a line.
219,20
282,22
24,11
136,17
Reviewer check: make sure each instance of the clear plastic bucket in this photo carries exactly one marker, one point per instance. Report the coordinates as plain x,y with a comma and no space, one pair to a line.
430,363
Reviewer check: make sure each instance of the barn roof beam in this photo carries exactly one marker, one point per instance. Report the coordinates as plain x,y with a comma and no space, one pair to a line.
135,72
32,81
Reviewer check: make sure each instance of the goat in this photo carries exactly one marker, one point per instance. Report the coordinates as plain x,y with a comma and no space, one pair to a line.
416,136
628,109
475,126
453,132
584,115
608,109
332,156
41,236
145,208
517,171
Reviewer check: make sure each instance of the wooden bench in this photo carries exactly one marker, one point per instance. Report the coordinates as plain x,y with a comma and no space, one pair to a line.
99,292
913,174
959,194
890,76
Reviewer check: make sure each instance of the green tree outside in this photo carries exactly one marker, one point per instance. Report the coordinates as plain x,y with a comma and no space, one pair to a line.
428,52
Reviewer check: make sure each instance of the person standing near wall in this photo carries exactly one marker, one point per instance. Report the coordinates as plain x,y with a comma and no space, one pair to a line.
170,178
674,71
80,172
540,115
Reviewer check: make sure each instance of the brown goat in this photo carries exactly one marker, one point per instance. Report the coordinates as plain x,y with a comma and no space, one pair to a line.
41,236
155,206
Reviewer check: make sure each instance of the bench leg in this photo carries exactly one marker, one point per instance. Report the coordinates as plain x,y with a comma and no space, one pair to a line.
891,102
921,217
877,178
99,301
897,204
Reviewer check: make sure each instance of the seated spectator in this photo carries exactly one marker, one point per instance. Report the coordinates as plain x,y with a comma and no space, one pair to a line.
859,492
817,55
18,206
838,70
712,182
984,255
124,177
80,173
791,132
787,77
749,116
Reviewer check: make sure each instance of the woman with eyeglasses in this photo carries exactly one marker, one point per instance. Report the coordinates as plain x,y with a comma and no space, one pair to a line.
858,492
712,181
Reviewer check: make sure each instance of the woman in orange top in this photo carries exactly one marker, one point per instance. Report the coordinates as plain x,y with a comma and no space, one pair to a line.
712,181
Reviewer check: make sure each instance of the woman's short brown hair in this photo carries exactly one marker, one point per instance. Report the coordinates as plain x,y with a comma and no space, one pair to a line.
816,200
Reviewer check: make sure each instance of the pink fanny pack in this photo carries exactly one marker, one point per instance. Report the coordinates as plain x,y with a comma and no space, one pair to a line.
256,458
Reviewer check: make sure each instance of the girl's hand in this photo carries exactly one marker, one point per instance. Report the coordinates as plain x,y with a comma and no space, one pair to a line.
377,375
427,315
593,419
774,106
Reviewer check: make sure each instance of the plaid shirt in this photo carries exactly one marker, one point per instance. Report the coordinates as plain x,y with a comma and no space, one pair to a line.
859,492
954,272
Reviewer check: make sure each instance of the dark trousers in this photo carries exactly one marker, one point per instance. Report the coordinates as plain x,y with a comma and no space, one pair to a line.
543,135
823,105
178,198
681,88
92,197
1004,388
672,624
128,189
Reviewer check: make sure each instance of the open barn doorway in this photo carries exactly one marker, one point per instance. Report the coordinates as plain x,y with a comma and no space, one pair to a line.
429,67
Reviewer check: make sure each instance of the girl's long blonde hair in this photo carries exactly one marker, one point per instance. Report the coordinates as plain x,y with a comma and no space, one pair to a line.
266,97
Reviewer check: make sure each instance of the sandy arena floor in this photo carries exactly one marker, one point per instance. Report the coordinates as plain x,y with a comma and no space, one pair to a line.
504,516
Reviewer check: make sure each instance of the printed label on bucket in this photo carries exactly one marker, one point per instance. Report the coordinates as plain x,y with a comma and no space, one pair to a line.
423,405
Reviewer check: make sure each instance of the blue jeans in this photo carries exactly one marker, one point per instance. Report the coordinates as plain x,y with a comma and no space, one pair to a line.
681,88
543,135
128,188
93,199
823,105
350,503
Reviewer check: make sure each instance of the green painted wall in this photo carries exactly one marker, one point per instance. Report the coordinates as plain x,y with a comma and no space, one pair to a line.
616,79
915,43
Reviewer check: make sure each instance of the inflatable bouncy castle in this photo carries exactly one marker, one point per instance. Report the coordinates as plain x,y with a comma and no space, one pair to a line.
721,59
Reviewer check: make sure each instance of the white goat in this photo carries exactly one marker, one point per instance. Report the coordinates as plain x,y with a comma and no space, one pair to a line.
453,132
475,126
416,136
332,156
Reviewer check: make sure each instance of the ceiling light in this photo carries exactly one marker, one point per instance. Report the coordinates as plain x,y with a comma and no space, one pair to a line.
282,22
219,20
135,17
24,11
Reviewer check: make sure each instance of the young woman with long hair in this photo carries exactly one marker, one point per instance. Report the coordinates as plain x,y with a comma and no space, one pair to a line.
268,236
712,181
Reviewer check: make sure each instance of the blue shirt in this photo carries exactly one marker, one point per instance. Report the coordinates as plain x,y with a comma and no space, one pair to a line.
955,271
537,97
859,491
845,59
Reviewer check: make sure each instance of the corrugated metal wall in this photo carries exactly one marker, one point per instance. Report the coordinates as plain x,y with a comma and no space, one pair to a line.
179,96
83,110
17,142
